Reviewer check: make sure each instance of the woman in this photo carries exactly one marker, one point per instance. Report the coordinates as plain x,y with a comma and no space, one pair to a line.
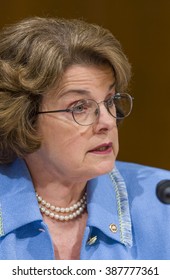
62,93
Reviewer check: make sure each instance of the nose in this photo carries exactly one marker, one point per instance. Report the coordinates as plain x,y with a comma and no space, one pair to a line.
105,120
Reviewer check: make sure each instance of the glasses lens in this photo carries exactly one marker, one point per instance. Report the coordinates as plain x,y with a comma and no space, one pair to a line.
85,112
123,105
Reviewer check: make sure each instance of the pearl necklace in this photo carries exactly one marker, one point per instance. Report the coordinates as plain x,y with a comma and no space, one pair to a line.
52,211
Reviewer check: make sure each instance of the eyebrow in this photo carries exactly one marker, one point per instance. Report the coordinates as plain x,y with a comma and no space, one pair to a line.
83,91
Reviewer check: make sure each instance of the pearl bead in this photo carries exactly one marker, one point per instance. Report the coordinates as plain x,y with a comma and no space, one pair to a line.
51,215
47,212
81,209
78,212
57,209
43,202
39,198
75,206
71,216
42,209
71,209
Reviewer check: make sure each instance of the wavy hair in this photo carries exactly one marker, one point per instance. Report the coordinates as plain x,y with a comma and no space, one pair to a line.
34,53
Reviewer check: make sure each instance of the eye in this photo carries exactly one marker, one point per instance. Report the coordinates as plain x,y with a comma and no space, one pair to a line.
80,107
110,101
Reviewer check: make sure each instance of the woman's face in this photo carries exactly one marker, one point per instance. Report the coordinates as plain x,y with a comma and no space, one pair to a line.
69,149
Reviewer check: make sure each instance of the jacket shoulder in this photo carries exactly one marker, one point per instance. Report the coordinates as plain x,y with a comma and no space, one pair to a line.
132,170
137,176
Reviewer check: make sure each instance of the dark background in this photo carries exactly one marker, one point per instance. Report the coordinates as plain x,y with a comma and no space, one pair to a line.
143,28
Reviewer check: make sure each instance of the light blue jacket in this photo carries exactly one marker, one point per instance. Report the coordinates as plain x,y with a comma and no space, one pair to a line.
125,218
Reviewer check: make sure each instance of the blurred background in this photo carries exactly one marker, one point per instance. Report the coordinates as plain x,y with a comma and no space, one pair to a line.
143,28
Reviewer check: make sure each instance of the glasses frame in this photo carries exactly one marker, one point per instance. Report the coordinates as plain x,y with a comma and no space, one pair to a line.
71,110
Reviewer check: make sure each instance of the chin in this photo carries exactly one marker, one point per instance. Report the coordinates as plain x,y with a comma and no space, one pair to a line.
104,168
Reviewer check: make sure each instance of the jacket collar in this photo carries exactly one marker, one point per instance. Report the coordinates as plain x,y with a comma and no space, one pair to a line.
108,207
18,203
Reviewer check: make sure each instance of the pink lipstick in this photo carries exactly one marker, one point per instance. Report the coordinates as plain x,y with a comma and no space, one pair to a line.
103,149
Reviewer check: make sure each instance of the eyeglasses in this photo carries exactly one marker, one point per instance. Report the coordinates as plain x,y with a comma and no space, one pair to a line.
86,111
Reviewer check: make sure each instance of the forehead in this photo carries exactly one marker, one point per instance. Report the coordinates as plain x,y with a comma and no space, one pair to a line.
84,77
78,73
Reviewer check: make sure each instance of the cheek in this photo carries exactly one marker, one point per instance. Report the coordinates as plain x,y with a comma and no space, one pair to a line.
116,142
62,137
73,144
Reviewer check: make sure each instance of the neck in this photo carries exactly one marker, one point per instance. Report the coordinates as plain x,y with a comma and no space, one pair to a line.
59,194
54,188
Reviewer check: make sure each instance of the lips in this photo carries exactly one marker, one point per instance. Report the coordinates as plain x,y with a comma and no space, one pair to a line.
103,148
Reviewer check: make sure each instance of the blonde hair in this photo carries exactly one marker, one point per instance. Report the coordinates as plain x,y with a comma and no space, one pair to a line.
34,54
